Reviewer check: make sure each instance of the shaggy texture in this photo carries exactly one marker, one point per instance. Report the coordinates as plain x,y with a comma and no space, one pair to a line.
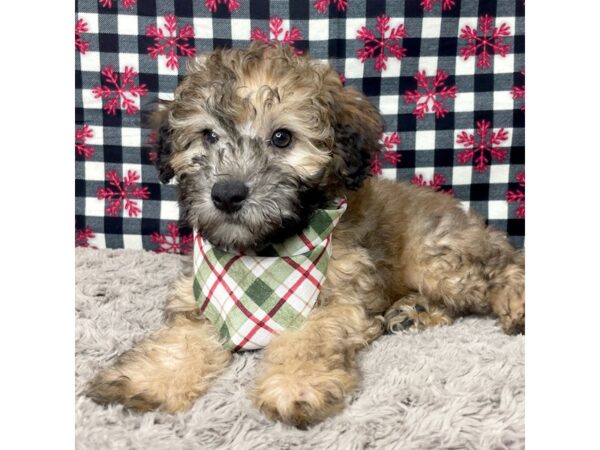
452,387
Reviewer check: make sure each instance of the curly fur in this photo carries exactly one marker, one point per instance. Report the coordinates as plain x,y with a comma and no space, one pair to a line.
403,257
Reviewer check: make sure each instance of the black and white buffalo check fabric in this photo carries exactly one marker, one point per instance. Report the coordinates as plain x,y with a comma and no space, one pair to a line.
447,75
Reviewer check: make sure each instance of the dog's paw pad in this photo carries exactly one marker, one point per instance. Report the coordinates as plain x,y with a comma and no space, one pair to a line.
416,316
397,327
398,320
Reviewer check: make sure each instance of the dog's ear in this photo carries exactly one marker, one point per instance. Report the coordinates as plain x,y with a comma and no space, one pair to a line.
159,120
357,126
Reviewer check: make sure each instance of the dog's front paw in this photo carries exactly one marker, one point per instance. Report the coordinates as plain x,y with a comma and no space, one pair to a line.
166,371
111,385
139,391
302,394
143,384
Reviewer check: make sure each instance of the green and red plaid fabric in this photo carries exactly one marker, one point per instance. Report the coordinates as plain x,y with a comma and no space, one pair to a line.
250,297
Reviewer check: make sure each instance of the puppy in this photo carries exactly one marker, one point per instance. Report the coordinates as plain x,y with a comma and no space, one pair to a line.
285,129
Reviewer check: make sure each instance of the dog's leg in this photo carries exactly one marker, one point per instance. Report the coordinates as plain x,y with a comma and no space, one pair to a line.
307,373
415,312
475,270
169,369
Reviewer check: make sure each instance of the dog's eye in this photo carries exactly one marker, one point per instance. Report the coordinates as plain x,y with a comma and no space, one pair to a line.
281,138
209,136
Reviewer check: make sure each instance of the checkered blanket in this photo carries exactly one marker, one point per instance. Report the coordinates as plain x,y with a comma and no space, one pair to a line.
447,75
251,297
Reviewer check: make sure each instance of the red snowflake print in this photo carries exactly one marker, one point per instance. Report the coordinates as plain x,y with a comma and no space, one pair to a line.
342,78
82,237
173,242
490,41
153,141
276,29
477,148
519,92
323,5
428,89
213,5
81,45
375,47
388,152
518,196
117,91
122,191
124,3
81,136
446,4
176,40
436,183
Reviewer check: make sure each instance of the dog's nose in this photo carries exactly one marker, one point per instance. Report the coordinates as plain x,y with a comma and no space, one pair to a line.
228,196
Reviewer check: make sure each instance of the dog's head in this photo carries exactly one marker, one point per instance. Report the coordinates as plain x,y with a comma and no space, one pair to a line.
258,139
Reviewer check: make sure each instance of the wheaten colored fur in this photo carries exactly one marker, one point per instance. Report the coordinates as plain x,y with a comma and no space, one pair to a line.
403,257
167,370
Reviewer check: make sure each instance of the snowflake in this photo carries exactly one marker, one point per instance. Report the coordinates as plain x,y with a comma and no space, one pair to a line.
490,39
174,242
322,5
82,237
431,87
436,183
446,4
390,154
375,47
212,5
519,92
342,78
518,196
124,189
81,27
153,141
119,90
168,45
476,148
124,3
276,28
81,136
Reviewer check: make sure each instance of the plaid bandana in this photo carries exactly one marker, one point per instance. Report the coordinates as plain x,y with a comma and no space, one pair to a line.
250,297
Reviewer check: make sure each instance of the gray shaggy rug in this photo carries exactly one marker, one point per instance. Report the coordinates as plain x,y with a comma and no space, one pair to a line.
456,387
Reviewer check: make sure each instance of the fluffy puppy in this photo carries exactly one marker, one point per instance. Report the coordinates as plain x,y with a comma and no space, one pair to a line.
258,139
